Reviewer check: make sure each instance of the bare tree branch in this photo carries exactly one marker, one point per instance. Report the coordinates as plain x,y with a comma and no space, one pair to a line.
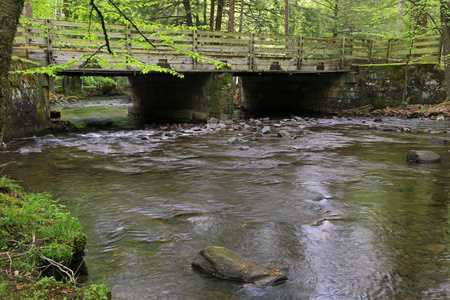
108,47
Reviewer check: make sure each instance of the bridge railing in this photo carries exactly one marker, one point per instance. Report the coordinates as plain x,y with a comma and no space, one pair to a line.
58,42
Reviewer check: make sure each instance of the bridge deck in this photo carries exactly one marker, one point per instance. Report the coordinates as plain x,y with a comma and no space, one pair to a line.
59,42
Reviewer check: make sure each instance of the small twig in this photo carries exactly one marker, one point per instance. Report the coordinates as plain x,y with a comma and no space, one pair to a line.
10,262
95,53
131,22
70,274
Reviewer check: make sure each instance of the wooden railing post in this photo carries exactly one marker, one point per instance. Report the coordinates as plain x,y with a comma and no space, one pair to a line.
370,51
49,43
252,49
343,54
128,34
195,46
300,53
388,51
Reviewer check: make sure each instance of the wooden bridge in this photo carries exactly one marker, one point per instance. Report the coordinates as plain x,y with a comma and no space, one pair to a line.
60,42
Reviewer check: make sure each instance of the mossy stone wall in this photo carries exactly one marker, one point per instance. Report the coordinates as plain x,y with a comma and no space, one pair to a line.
28,108
385,85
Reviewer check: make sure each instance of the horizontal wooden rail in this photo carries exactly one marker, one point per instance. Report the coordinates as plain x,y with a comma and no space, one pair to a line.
58,42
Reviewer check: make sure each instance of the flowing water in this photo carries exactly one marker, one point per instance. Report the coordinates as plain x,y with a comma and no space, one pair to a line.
338,208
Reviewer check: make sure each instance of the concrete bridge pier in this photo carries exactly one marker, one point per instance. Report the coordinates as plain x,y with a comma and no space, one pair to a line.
166,98
294,94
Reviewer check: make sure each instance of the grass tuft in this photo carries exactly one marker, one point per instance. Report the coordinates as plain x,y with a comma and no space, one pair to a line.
38,235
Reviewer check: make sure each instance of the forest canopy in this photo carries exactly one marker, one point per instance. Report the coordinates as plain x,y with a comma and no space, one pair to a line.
351,18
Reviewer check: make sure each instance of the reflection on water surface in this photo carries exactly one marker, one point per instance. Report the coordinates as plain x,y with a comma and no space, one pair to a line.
339,208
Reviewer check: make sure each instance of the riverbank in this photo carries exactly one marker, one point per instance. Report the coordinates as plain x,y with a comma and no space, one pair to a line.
42,248
441,110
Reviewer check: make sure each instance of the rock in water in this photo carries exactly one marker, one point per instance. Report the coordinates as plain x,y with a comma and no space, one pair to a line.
226,264
422,157
266,130
283,134
439,140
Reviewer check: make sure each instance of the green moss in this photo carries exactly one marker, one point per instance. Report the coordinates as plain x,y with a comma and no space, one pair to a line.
31,224
36,221
20,63
223,94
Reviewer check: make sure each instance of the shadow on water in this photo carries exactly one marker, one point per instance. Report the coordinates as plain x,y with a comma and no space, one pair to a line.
336,206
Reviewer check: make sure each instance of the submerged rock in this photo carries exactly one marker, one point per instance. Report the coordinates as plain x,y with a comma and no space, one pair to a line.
439,140
423,157
63,126
226,264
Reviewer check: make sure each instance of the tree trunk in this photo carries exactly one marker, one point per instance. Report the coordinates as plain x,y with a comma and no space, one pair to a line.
9,18
187,8
219,15
28,9
211,15
231,16
445,18
286,18
420,17
334,30
241,17
66,10
401,12
205,4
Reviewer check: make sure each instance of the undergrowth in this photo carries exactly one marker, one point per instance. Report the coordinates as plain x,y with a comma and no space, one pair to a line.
38,237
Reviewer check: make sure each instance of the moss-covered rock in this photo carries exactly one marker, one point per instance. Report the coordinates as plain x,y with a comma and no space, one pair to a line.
226,264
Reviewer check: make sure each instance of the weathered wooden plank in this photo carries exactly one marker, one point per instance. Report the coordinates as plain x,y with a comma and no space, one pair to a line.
427,43
20,52
223,49
161,37
430,50
275,52
37,21
400,52
317,45
20,40
360,53
86,34
427,59
74,43
321,52
33,40
206,40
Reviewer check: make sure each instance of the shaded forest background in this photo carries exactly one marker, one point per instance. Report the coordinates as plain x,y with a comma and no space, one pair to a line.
355,18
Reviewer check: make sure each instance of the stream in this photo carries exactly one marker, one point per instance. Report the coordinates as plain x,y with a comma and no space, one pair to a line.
336,206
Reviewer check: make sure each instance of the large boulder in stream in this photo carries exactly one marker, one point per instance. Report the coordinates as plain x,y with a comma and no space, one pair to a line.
417,156
227,264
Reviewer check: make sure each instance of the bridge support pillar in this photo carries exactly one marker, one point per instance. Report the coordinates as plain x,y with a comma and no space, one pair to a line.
163,97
